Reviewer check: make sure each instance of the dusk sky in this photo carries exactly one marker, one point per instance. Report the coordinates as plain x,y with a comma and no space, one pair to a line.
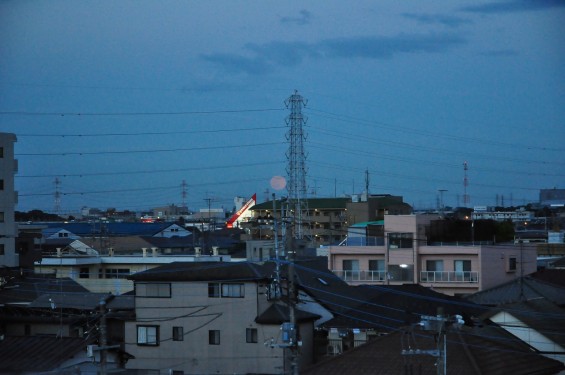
122,101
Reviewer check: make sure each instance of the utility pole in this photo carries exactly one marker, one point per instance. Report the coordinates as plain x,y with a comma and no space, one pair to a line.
103,340
438,324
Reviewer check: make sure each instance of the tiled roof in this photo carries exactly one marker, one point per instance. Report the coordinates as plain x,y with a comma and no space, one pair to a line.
387,308
112,229
206,271
552,276
469,352
539,314
79,301
26,289
37,353
519,289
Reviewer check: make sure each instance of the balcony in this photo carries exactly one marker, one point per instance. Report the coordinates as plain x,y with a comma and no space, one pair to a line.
449,276
348,275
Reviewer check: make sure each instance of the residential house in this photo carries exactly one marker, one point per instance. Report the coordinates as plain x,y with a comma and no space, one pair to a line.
530,309
413,350
47,325
109,273
195,318
403,255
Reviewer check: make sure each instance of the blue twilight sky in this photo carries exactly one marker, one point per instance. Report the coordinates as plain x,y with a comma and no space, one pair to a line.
122,101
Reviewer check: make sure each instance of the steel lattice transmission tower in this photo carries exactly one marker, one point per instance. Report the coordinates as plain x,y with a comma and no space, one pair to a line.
296,169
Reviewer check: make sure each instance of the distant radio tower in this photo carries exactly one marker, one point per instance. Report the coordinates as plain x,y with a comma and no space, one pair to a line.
466,199
57,195
183,193
296,168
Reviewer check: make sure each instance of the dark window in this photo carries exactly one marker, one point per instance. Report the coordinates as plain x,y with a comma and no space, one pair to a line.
1,216
1,184
251,335
400,240
148,335
117,273
226,290
376,265
153,290
511,264
1,152
84,273
2,251
214,337
214,290
178,334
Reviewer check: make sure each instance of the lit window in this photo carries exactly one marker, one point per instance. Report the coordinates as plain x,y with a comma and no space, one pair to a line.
148,335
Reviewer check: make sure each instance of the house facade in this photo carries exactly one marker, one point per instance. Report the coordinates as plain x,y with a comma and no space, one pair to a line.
404,256
109,274
208,319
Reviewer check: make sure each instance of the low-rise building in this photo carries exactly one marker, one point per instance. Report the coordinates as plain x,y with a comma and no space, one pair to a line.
404,256
213,318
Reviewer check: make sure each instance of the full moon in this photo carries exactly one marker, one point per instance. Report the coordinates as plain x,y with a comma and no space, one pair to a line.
278,182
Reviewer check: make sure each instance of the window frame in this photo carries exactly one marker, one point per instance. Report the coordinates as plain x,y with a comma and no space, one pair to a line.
251,335
214,337
226,290
143,340
178,333
512,264
162,290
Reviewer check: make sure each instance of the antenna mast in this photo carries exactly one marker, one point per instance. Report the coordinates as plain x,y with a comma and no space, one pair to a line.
466,199
57,195
183,193
296,168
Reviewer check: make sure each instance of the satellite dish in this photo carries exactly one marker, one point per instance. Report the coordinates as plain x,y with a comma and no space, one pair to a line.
278,182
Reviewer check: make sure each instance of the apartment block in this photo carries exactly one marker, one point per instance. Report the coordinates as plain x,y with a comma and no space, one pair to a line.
403,255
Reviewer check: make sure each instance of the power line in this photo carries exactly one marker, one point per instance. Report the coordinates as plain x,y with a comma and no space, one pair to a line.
85,114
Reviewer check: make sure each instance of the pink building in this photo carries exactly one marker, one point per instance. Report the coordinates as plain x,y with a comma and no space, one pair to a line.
400,254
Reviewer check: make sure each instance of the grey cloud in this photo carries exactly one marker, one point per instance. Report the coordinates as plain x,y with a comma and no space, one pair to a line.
304,19
263,58
514,6
387,47
430,19
234,63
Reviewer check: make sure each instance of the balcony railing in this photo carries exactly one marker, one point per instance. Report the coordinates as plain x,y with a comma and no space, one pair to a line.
449,276
425,276
348,275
